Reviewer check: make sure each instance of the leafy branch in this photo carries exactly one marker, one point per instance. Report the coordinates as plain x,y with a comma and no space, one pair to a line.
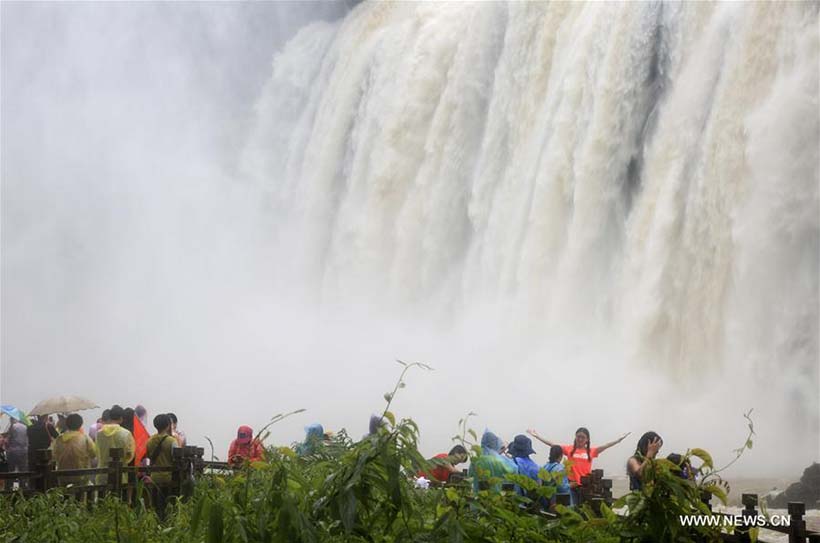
711,481
276,418
461,437
389,396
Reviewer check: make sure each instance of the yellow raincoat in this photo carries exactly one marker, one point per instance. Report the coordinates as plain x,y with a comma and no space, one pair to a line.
109,437
73,450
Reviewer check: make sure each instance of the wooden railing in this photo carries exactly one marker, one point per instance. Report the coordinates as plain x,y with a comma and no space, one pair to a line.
132,484
796,530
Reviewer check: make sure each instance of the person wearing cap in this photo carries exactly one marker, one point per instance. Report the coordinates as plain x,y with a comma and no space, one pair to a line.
245,447
520,450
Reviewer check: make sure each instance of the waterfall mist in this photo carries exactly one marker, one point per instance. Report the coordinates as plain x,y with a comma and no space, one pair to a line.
600,215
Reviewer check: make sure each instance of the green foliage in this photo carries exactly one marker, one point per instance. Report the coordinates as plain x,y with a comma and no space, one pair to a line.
364,492
655,510
360,492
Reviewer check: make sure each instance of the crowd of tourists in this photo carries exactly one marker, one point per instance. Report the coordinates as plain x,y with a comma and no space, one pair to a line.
72,447
565,468
566,465
125,428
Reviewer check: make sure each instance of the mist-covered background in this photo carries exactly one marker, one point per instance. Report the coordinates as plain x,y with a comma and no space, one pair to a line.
135,265
157,160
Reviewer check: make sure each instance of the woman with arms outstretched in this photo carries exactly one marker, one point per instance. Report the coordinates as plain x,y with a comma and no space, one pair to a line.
580,453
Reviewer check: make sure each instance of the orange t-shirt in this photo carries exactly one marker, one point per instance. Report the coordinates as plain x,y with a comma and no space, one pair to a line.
581,463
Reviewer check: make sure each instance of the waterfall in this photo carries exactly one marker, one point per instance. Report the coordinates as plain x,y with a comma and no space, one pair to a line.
640,174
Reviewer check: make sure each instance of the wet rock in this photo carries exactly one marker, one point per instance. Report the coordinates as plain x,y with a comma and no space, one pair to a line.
807,490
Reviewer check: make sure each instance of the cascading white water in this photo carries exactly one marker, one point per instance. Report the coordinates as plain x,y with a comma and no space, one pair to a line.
642,176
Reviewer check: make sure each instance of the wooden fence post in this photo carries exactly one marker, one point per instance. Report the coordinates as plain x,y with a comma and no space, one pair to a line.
583,491
797,526
178,457
115,471
42,461
606,492
199,461
749,512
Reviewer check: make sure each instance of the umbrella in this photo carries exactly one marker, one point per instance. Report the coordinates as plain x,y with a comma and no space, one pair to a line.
15,413
62,404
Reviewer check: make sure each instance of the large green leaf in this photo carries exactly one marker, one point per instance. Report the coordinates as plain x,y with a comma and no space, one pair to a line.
215,524
704,456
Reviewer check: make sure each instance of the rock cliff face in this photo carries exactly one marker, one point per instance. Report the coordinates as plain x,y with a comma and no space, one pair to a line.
807,490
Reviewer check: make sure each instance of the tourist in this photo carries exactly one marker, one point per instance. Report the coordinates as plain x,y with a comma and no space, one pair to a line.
647,449
684,467
61,425
580,453
178,434
556,467
128,419
159,449
520,450
40,434
245,447
314,437
376,423
160,453
491,463
113,435
94,428
51,427
142,414
4,464
444,464
74,450
17,445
